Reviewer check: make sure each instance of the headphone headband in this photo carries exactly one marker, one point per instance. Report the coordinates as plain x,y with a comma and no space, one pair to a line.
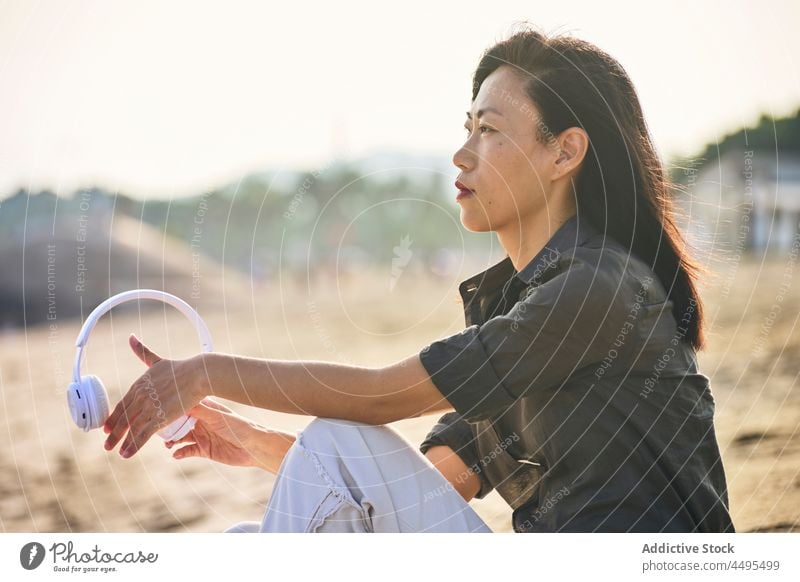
136,294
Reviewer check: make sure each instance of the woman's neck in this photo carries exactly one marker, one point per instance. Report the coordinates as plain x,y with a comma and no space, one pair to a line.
524,239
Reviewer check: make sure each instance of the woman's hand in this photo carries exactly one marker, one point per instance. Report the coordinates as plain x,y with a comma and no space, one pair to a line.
227,437
158,397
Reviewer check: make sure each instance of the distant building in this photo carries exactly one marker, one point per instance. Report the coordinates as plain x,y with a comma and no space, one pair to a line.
748,200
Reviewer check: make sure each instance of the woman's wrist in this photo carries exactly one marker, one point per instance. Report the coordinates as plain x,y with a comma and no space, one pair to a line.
223,375
269,447
206,382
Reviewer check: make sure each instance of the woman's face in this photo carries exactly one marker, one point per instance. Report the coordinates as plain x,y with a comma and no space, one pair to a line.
502,162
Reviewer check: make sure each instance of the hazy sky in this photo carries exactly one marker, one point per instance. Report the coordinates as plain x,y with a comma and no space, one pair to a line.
165,99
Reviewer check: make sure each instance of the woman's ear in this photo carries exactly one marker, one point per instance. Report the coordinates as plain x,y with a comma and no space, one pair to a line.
573,144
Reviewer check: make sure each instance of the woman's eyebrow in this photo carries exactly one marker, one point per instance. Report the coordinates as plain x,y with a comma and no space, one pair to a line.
484,110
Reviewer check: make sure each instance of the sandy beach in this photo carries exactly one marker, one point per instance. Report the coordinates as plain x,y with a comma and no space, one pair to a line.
53,477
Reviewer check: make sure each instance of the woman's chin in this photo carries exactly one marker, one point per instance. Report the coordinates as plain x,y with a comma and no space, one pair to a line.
474,223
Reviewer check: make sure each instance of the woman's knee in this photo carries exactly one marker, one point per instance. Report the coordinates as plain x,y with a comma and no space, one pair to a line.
317,442
324,430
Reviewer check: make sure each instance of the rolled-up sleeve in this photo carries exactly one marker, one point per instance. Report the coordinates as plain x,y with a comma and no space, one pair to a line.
451,430
558,328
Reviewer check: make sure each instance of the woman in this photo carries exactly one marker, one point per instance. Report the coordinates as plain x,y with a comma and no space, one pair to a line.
573,391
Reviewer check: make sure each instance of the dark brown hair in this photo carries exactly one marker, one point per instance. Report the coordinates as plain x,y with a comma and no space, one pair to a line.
622,188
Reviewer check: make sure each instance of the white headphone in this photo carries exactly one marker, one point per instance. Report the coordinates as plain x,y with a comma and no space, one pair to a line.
87,397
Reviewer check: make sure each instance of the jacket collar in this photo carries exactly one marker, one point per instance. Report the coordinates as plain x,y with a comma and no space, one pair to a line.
573,233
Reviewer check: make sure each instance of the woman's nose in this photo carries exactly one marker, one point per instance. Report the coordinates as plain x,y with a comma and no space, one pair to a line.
464,158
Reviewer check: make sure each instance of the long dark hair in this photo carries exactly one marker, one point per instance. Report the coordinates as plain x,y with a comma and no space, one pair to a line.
622,188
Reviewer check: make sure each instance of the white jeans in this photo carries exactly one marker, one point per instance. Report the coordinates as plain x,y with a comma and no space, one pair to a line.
345,476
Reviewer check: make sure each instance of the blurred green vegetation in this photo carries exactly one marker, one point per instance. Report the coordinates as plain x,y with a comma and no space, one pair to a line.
255,226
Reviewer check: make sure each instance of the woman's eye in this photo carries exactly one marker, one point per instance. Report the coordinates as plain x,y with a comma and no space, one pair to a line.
481,128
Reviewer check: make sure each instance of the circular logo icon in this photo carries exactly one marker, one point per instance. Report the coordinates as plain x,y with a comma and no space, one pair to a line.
31,555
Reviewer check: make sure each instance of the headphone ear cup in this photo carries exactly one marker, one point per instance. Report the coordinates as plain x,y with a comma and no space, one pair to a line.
78,400
98,402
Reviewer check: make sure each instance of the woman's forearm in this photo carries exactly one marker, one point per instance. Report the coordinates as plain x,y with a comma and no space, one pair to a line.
309,388
370,395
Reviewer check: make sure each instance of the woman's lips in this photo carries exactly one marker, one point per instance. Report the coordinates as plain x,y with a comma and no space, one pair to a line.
463,191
